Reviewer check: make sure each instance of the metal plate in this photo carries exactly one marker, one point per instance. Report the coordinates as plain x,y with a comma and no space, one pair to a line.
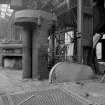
55,96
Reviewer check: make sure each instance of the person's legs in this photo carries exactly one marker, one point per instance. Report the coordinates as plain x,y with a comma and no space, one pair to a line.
90,59
95,63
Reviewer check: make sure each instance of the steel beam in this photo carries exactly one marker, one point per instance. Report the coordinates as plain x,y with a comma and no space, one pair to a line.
79,30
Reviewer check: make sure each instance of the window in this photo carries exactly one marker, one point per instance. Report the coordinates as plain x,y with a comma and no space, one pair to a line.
5,11
68,37
99,51
103,36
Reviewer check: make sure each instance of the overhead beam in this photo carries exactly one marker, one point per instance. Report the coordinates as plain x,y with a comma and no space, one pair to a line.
5,1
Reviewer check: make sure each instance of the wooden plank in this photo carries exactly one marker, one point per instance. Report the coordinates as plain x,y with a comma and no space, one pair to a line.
4,1
87,10
11,45
16,4
87,30
11,54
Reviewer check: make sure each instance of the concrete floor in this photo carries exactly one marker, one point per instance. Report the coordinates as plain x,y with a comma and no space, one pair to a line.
92,91
11,82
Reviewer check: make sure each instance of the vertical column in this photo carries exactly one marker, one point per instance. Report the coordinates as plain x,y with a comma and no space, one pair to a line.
43,52
53,45
79,29
40,51
27,52
35,53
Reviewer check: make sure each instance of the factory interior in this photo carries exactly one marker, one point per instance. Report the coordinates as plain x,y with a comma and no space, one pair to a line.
52,52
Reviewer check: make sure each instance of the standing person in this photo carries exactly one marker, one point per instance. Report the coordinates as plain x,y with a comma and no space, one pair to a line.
89,54
96,39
